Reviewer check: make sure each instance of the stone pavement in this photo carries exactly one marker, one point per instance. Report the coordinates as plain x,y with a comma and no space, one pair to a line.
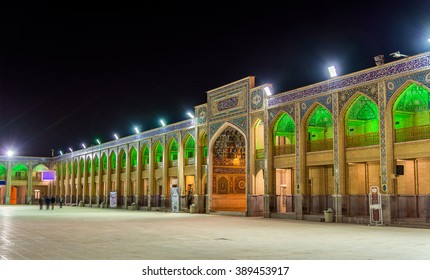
79,233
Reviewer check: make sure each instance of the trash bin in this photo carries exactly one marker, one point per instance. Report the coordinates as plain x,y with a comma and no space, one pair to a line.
192,208
328,215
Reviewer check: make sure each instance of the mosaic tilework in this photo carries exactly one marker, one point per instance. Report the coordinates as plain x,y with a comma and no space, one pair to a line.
174,136
289,109
394,84
192,132
241,123
370,91
297,120
228,101
383,71
335,142
202,113
382,104
257,99
325,100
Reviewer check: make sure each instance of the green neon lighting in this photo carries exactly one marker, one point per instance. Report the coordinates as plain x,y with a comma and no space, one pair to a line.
75,167
39,168
2,171
173,150
123,160
133,157
158,153
285,127
411,108
113,160
104,162
190,146
88,165
146,155
362,117
320,124
96,163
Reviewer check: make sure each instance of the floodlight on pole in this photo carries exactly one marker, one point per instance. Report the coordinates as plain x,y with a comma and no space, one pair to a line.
332,71
162,123
9,153
83,145
267,90
116,136
136,129
98,141
70,149
61,153
190,115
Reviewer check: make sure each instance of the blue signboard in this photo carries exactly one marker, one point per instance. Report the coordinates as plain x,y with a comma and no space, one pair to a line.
2,182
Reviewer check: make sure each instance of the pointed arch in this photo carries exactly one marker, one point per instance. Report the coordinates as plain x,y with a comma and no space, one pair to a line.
123,158
104,161
113,160
133,157
2,171
89,166
319,128
145,157
360,121
19,172
284,134
189,146
158,151
96,163
409,108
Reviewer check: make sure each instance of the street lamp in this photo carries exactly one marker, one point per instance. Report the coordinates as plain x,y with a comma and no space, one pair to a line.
9,153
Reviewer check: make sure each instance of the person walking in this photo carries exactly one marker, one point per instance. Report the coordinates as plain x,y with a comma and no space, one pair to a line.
61,202
53,202
40,203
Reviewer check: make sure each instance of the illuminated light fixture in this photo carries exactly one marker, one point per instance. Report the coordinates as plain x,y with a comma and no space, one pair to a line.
136,129
9,153
428,40
98,141
83,145
61,153
162,123
332,71
70,149
116,136
267,90
190,115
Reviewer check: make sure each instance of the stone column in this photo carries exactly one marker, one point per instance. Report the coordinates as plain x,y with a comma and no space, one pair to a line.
30,196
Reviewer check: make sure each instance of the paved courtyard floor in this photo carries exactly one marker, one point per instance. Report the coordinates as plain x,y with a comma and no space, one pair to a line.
79,233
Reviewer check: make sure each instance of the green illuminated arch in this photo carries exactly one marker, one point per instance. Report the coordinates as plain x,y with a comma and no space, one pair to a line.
2,171
173,150
104,162
145,155
285,128
19,170
362,122
320,124
123,159
158,153
40,168
133,157
113,160
82,166
411,114
75,167
96,163
89,165
64,169
412,107
190,146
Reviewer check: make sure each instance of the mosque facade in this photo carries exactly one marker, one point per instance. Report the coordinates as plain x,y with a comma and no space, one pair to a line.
352,149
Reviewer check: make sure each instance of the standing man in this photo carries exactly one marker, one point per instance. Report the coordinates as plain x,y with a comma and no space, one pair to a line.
41,203
61,202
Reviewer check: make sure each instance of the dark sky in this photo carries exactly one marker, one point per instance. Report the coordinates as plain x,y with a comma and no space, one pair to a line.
71,72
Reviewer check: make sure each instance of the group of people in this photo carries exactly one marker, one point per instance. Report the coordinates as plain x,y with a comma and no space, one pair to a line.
49,201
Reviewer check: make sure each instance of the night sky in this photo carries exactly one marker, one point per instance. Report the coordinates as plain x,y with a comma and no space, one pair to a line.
71,72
